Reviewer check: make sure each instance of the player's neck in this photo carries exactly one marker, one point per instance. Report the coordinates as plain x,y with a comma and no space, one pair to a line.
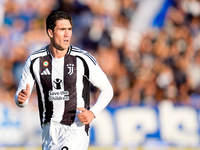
56,53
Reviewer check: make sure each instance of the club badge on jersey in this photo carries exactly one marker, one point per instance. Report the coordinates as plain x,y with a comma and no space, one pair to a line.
45,63
71,69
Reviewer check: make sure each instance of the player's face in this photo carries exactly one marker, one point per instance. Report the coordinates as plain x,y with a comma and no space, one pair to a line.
61,36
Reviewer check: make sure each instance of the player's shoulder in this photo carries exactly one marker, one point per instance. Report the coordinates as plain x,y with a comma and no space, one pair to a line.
83,54
39,53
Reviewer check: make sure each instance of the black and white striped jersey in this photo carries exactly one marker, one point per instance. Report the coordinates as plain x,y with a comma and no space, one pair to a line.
63,84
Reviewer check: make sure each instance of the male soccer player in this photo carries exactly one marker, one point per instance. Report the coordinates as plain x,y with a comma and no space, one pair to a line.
62,73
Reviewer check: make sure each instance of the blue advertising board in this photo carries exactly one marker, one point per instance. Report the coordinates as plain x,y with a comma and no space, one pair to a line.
129,126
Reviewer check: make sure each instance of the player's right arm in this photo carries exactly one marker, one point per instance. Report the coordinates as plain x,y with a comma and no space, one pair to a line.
25,85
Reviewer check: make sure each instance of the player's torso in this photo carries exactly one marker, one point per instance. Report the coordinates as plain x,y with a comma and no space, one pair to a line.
59,86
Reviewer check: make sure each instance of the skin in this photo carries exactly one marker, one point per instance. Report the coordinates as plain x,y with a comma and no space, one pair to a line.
60,40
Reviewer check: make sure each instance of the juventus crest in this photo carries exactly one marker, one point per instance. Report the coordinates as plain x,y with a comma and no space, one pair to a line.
70,69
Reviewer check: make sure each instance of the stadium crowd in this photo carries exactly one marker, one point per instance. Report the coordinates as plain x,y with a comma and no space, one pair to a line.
155,64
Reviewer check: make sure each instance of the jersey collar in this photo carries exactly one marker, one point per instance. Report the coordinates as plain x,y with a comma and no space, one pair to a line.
69,49
68,52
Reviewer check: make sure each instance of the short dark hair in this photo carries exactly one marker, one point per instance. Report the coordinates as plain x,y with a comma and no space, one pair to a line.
54,16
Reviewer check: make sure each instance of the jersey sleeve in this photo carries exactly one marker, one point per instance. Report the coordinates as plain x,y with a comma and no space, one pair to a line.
26,78
99,79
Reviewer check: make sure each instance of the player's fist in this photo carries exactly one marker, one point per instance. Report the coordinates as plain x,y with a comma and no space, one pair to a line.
24,94
86,116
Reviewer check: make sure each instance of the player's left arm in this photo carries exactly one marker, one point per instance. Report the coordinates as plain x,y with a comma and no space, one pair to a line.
99,79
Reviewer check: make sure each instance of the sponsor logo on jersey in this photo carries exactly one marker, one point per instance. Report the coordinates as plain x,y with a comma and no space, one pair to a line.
57,83
46,72
58,95
70,69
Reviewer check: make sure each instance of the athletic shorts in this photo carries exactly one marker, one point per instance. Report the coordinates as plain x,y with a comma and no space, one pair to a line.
56,136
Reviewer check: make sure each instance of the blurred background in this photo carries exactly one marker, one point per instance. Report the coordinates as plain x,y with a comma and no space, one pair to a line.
150,51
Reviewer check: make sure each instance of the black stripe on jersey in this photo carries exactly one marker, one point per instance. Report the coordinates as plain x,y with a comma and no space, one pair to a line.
70,86
86,90
31,68
85,53
46,85
86,83
40,105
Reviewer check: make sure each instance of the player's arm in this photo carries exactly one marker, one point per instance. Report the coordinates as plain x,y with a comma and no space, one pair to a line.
25,86
86,116
99,79
23,95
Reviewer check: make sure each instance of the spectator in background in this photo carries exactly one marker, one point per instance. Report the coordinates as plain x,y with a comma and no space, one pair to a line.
164,65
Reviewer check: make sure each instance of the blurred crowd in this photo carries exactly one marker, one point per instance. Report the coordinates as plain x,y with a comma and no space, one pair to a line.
144,66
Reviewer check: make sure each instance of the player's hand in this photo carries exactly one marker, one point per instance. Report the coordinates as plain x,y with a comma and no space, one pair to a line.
86,116
24,94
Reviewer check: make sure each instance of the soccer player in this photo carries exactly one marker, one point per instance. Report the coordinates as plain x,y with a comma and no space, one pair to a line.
62,74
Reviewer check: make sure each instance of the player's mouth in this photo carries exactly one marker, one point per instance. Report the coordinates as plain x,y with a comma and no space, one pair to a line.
66,41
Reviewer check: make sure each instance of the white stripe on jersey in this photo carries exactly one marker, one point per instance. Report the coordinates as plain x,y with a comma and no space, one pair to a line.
57,73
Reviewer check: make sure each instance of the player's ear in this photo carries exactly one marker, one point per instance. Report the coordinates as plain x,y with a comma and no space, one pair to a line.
50,33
